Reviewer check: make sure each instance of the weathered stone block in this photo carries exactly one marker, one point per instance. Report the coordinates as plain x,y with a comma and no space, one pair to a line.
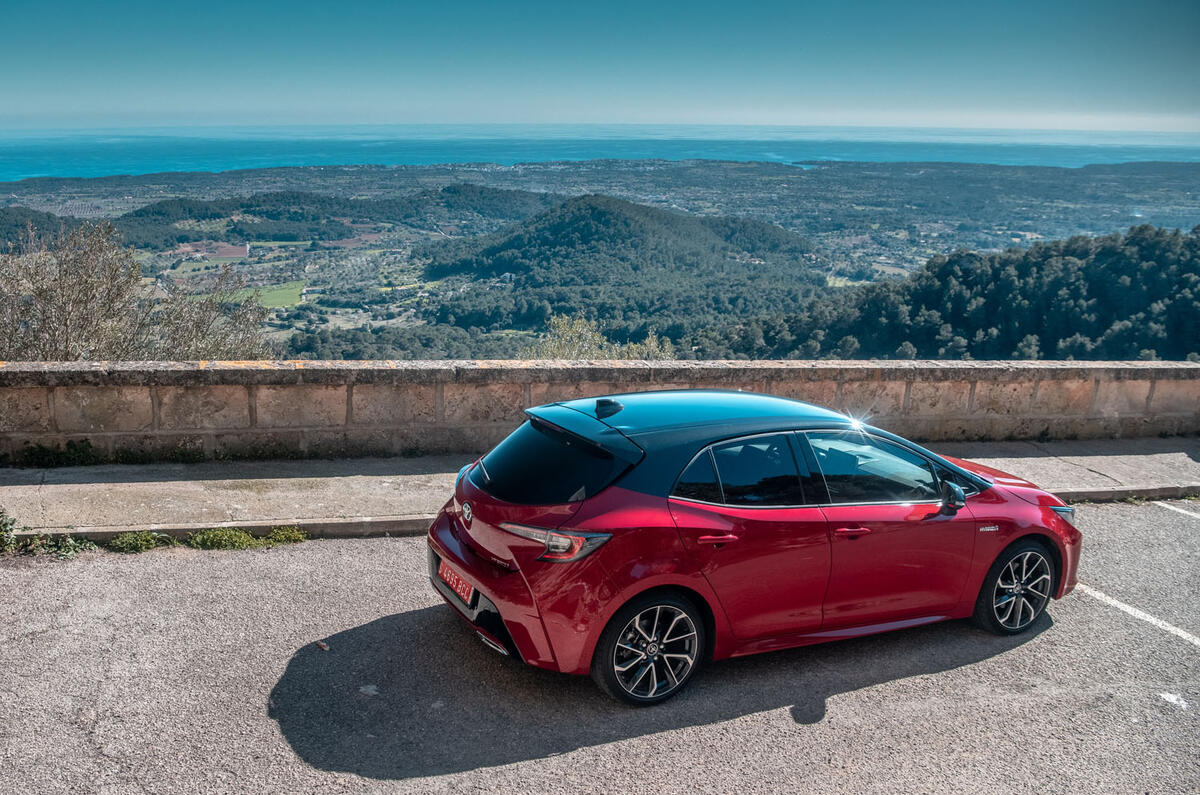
371,441
1003,397
383,404
938,398
1059,397
99,409
1116,397
203,407
1176,396
258,444
303,405
324,444
868,399
24,410
820,393
483,402
555,391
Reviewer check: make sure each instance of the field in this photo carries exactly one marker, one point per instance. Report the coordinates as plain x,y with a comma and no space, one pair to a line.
277,296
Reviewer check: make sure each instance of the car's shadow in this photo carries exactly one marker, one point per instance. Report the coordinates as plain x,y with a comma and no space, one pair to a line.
415,694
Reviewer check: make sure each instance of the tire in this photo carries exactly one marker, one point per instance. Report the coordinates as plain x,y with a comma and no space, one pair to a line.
642,664
1017,589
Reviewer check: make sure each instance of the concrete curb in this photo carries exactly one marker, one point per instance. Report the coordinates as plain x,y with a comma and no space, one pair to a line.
350,527
418,524
1118,493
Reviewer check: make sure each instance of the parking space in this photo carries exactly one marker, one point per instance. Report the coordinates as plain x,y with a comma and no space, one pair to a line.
179,670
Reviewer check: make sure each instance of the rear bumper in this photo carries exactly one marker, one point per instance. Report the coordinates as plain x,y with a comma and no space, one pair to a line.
502,608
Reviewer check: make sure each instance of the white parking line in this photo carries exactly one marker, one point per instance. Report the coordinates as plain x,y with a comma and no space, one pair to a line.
1133,611
1178,510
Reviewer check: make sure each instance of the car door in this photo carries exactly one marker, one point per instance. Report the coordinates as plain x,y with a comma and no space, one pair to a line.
894,553
747,519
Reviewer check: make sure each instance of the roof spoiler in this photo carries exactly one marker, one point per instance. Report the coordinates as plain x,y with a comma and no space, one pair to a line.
589,429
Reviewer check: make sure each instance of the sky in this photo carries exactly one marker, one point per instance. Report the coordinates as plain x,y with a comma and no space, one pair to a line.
1044,64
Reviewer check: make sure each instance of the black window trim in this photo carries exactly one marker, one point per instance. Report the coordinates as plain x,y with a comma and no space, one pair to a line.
800,438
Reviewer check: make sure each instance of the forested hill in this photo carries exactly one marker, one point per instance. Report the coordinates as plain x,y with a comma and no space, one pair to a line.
627,264
1127,296
292,215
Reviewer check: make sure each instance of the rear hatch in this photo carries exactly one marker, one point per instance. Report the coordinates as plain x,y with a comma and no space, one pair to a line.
538,476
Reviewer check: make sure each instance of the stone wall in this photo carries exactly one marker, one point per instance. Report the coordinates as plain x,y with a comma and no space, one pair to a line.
183,410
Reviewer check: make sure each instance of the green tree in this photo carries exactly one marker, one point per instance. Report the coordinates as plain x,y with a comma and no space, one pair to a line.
580,338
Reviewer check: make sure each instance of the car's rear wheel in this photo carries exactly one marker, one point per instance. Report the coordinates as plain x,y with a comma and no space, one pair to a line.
650,649
1016,590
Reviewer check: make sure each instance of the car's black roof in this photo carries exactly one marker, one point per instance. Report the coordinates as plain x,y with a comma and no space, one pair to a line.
712,411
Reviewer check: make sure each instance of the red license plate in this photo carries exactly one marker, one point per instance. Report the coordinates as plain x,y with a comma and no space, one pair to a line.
460,586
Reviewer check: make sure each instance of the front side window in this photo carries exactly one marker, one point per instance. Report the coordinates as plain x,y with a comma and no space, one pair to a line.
861,468
760,470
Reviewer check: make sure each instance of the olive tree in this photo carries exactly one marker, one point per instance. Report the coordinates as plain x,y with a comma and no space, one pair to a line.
580,338
80,296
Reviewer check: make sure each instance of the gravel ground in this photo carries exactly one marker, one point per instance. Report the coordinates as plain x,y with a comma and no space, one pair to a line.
186,671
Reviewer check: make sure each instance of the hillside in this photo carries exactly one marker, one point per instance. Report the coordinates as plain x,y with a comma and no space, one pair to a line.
629,265
303,216
1129,296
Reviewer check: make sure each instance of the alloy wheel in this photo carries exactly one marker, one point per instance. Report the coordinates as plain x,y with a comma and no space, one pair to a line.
655,651
1022,590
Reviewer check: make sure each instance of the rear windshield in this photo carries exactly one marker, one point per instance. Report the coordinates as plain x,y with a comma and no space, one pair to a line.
538,464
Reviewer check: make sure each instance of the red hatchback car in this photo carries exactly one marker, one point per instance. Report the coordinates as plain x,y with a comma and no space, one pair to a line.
635,536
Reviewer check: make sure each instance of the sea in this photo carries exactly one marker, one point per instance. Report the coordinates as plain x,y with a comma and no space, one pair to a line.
27,153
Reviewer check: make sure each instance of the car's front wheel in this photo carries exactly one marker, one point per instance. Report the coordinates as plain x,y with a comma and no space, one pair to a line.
1016,590
650,649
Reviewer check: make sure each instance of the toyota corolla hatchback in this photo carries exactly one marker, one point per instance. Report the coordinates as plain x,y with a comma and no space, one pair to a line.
634,537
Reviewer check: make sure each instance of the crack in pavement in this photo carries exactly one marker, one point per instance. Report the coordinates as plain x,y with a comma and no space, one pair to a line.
1068,462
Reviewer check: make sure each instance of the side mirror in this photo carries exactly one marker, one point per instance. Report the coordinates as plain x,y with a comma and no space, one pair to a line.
953,498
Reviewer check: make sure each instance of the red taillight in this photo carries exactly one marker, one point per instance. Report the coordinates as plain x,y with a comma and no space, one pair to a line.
560,545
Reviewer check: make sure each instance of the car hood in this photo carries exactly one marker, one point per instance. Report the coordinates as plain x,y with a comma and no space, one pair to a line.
992,475
1018,487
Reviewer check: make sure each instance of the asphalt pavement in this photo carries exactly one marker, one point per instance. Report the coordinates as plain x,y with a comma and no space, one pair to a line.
186,671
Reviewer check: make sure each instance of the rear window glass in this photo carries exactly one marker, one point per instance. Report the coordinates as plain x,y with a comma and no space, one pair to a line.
699,481
538,464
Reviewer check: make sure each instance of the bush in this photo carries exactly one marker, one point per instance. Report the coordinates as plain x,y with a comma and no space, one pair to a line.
222,538
61,546
140,541
236,538
286,535
580,338
8,533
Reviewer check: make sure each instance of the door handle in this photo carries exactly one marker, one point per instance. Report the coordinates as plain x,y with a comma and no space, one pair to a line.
725,539
851,532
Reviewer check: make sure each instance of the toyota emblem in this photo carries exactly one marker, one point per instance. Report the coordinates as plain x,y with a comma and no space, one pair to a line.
467,513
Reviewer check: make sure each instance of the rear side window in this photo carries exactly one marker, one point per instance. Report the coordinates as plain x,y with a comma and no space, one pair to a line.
861,468
760,470
538,464
699,481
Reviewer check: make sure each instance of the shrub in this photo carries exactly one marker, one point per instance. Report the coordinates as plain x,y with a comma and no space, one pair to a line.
236,538
61,546
140,541
222,538
286,535
580,338
8,533
85,274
